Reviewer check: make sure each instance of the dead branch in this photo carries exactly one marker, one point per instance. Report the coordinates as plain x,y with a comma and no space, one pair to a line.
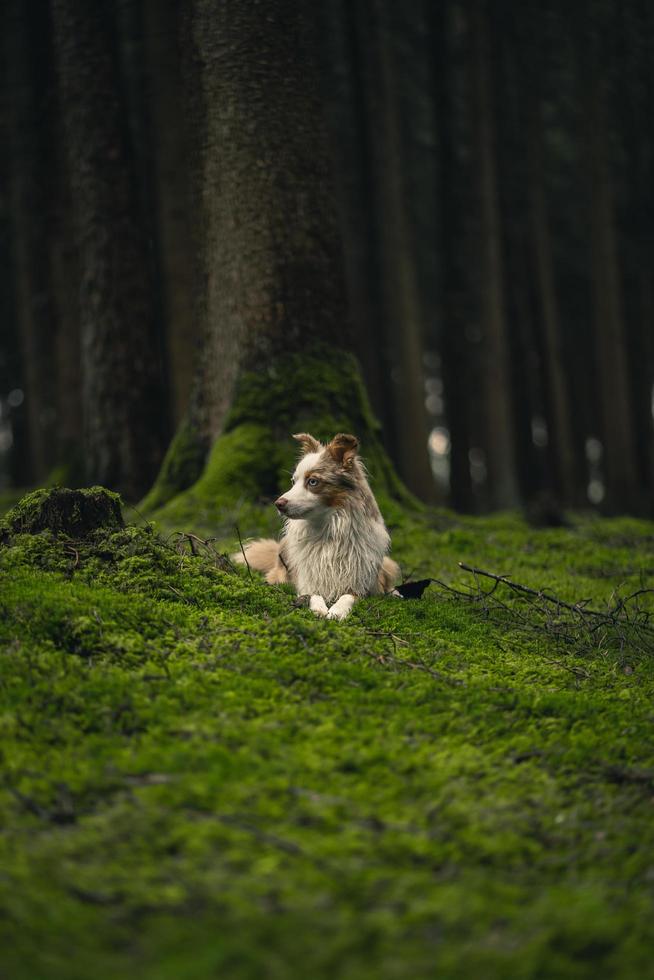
245,557
623,625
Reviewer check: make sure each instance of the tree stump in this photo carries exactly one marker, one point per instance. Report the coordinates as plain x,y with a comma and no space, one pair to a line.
62,511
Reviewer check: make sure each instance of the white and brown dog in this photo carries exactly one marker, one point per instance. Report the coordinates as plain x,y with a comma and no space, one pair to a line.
335,543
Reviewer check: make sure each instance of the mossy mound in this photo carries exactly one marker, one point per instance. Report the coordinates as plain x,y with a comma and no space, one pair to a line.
63,511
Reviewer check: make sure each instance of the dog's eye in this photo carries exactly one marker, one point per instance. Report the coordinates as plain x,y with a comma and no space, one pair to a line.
312,482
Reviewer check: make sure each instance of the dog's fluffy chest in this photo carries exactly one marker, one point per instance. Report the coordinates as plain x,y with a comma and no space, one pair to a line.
340,556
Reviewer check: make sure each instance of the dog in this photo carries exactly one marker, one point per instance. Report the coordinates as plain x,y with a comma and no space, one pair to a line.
334,544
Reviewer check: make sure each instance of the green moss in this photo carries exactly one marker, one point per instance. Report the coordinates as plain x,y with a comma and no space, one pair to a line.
58,509
182,465
200,779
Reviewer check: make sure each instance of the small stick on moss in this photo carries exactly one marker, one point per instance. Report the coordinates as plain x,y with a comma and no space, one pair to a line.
578,607
624,624
73,551
245,557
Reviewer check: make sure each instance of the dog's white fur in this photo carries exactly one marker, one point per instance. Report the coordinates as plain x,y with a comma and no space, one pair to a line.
335,543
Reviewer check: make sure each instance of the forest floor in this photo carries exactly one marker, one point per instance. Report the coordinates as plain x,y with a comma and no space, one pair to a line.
202,780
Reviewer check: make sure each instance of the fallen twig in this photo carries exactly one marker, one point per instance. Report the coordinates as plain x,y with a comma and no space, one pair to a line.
245,557
624,625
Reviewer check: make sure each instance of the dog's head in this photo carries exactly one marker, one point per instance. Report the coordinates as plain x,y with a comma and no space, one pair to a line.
325,477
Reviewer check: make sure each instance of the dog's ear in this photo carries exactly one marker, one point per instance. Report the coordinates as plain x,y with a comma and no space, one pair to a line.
308,443
343,449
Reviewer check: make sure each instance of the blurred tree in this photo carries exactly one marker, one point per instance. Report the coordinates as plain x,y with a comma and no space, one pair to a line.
175,235
15,458
449,222
26,38
347,87
402,321
368,56
122,404
567,480
500,420
171,137
631,106
616,406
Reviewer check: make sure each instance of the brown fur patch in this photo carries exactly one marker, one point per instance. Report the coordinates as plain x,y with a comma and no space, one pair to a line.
335,487
389,575
336,496
343,449
307,442
263,556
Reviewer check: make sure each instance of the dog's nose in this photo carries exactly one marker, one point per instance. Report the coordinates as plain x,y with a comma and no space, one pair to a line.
281,503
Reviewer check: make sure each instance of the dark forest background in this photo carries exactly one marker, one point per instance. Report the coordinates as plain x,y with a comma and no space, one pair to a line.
489,167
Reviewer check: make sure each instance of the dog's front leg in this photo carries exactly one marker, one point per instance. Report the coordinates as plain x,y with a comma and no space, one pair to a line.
342,607
318,606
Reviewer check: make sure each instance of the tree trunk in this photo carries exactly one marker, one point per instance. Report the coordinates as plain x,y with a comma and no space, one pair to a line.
500,420
121,394
621,470
347,87
451,338
171,196
403,320
275,311
15,457
633,96
27,71
560,436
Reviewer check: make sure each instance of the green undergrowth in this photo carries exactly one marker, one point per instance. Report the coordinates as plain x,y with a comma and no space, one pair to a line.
202,780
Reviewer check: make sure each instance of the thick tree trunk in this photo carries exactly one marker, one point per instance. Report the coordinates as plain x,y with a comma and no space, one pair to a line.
273,257
503,484
121,390
275,312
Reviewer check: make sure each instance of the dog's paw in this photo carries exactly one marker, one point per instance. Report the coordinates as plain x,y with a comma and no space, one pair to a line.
337,613
342,607
318,606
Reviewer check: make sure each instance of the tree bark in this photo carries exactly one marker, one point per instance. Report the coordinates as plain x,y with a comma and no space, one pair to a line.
121,393
621,471
274,308
27,72
403,319
347,85
451,338
503,483
567,477
172,198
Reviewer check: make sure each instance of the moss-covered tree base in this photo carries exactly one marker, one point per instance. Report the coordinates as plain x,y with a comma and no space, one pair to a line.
319,392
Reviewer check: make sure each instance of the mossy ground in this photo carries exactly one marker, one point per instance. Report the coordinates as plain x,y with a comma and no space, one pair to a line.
201,780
